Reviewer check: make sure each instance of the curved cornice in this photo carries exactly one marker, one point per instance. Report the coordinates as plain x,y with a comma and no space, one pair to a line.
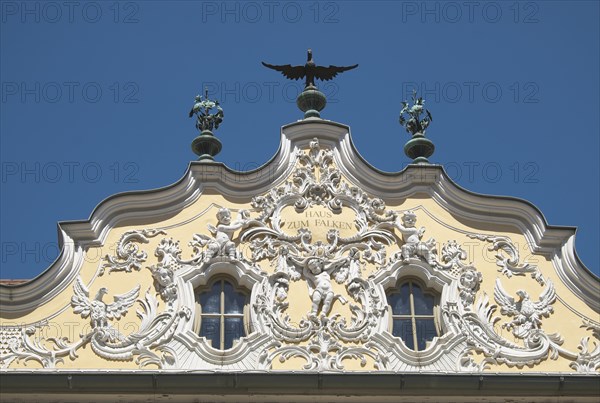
555,242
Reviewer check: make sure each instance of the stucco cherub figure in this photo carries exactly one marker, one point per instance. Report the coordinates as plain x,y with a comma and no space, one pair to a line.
221,244
317,272
411,235
322,292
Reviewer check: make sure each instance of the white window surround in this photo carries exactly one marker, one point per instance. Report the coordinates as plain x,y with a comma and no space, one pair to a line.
450,342
189,281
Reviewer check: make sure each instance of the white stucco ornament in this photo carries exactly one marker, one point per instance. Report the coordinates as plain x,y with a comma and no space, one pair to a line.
527,313
220,244
99,311
344,273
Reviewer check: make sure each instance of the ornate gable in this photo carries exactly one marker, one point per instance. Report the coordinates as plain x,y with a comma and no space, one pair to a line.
340,267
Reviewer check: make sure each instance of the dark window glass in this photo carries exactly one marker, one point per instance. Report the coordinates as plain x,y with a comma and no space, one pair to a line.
400,301
211,301
403,329
234,329
425,332
412,315
234,301
222,314
209,328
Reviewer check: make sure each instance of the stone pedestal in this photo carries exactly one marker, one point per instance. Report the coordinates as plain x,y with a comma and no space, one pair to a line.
419,148
206,146
311,101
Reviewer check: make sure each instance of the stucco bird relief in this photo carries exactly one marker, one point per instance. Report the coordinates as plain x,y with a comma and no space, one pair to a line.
526,312
101,312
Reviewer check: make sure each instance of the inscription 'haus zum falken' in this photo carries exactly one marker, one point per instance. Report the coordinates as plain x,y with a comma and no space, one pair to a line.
318,219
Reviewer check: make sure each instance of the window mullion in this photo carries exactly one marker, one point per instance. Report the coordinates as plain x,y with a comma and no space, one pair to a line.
222,321
412,316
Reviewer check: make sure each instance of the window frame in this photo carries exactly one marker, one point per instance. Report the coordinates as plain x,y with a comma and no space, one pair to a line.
245,315
396,289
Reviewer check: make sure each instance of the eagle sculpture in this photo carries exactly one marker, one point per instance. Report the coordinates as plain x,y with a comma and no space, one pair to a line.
99,311
527,313
310,70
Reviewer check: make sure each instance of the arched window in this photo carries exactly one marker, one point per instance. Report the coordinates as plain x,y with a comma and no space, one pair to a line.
221,309
413,314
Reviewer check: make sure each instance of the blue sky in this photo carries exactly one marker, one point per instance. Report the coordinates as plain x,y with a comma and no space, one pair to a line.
95,97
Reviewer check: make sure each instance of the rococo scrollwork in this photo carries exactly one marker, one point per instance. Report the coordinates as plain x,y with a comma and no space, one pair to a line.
145,344
507,257
129,257
341,273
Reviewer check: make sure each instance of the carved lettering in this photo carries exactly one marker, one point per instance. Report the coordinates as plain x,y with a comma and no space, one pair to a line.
319,214
298,224
317,222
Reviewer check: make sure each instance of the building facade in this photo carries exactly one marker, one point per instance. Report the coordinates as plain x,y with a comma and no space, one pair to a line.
313,278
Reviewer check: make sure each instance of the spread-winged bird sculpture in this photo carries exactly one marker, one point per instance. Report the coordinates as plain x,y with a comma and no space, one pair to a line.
310,70
99,311
527,313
